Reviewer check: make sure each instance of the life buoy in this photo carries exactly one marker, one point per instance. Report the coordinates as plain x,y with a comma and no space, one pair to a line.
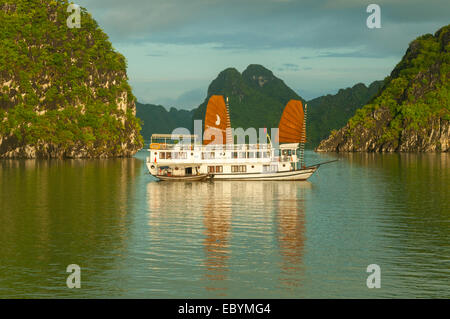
155,146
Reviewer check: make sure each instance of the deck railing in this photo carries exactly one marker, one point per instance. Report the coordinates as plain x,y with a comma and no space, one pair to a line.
196,147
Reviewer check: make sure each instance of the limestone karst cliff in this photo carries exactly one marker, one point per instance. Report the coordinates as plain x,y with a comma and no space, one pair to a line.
411,113
63,91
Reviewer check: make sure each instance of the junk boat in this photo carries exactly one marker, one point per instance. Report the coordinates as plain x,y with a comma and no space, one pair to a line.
175,157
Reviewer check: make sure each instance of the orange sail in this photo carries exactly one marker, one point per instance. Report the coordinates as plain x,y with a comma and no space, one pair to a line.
291,128
217,122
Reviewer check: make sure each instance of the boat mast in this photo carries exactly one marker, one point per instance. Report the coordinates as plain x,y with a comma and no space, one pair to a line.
229,135
302,145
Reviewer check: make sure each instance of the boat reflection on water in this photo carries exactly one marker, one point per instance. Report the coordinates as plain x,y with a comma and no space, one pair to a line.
217,221
291,232
264,214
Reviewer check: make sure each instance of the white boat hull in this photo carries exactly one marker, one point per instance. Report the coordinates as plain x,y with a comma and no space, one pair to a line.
297,175
192,178
292,175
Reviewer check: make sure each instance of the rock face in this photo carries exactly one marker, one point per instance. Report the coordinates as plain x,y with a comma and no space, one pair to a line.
412,111
63,91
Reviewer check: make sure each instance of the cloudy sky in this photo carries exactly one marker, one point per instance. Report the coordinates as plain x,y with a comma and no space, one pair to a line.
175,48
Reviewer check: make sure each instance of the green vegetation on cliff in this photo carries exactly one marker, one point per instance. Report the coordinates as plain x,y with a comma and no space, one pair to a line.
412,112
61,89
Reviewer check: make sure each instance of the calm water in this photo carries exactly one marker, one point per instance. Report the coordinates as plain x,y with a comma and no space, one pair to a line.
134,237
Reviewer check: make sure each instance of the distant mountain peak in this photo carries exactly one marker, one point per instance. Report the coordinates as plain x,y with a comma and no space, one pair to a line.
257,69
229,72
258,75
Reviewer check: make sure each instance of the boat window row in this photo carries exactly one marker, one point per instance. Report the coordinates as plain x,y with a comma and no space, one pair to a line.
212,155
238,168
215,169
250,154
208,155
172,155
270,168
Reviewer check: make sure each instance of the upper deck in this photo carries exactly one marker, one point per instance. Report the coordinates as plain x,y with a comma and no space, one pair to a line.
165,150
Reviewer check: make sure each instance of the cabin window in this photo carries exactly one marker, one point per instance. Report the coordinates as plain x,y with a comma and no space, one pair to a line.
209,155
287,152
219,169
238,168
251,155
179,155
162,155
270,168
210,169
265,154
168,155
242,155
234,155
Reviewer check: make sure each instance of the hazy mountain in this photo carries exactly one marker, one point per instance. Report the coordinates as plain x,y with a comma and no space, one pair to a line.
156,119
186,101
